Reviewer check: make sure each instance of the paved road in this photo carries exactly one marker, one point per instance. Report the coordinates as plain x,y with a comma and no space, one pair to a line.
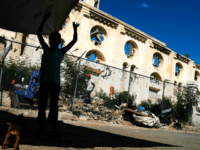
89,135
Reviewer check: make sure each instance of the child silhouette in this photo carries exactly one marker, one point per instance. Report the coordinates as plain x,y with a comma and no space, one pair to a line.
50,75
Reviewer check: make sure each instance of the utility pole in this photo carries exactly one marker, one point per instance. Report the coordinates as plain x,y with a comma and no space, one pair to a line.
163,93
77,80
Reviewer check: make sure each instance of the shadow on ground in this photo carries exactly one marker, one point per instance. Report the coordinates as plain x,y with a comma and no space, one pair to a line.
72,136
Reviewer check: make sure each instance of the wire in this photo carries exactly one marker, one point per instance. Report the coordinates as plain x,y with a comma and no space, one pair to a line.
108,59
120,63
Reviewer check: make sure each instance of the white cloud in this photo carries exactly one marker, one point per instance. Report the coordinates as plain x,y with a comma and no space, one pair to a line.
144,5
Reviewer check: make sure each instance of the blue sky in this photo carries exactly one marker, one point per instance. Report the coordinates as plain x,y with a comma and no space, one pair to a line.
174,22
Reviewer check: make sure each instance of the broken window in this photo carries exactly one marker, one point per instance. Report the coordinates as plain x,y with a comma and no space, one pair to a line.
96,56
196,76
129,49
155,78
157,59
156,62
92,57
178,69
97,35
96,3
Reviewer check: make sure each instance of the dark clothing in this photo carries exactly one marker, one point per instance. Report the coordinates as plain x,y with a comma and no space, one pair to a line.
88,95
49,83
50,68
45,89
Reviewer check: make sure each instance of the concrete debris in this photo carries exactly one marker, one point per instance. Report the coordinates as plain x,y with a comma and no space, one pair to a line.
97,111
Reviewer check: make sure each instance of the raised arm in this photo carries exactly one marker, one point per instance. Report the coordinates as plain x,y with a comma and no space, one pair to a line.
39,31
69,46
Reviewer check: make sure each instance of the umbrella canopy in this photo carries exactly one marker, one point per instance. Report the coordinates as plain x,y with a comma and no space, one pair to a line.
25,16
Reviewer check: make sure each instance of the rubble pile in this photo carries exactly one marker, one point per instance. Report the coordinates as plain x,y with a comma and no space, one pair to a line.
97,111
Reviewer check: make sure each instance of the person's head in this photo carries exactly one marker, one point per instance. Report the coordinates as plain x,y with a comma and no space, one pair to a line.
54,39
89,76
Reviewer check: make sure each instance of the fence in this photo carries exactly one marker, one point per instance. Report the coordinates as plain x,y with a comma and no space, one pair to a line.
109,81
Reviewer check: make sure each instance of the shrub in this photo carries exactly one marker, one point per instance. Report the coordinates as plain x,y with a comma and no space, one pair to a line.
147,104
167,103
109,103
124,97
184,102
70,70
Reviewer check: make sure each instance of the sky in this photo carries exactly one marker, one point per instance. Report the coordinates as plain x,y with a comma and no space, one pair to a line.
173,22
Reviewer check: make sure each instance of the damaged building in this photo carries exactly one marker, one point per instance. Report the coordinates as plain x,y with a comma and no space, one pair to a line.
117,45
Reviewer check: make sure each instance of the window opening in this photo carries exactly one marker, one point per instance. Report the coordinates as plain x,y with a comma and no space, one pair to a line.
156,61
129,49
92,57
177,71
97,36
132,68
96,3
124,66
155,78
196,76
95,56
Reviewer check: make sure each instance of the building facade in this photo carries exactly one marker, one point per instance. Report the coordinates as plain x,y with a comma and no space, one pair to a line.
116,44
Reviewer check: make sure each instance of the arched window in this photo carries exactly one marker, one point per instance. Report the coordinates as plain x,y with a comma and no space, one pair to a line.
97,35
96,3
132,68
96,56
178,68
155,78
157,59
196,76
124,66
130,49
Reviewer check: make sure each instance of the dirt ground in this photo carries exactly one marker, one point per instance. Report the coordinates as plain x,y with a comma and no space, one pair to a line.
78,134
